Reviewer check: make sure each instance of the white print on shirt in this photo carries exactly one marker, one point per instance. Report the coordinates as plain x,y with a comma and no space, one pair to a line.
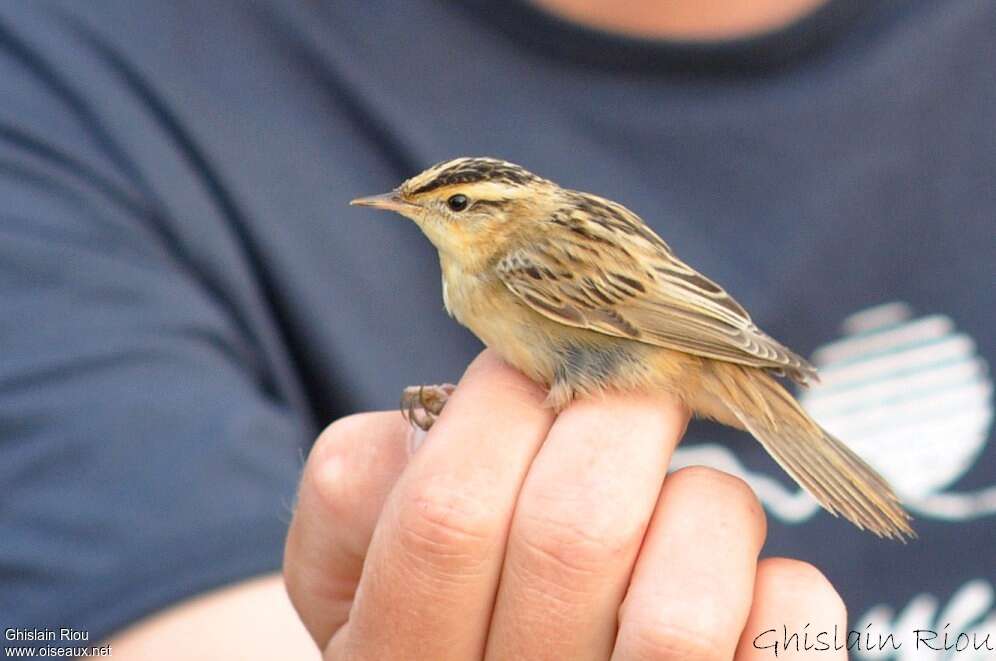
970,611
910,395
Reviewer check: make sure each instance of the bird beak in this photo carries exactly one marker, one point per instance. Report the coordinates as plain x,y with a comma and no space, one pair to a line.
388,201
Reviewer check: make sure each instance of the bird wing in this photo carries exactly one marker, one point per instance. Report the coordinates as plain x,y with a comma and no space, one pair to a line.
604,270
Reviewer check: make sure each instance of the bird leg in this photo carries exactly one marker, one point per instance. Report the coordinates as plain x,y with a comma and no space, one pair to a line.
421,405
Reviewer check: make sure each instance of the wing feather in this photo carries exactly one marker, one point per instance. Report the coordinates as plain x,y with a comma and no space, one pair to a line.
612,274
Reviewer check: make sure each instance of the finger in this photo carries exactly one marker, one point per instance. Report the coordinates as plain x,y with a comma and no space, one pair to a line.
691,590
796,612
433,564
578,525
349,472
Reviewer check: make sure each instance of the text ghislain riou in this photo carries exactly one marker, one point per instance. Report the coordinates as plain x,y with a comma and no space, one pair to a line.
45,635
810,640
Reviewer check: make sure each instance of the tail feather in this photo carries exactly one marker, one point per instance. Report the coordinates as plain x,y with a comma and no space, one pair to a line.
830,471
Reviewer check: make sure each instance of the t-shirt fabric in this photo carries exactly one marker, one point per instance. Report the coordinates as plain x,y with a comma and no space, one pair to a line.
186,299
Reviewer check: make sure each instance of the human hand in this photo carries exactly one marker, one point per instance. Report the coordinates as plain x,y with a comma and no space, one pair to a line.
512,534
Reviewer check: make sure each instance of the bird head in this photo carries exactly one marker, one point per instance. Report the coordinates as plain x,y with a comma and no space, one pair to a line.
469,208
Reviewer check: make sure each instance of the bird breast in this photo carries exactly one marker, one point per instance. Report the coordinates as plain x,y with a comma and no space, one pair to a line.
571,360
482,303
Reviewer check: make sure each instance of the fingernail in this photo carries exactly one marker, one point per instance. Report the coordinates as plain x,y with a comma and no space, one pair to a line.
416,437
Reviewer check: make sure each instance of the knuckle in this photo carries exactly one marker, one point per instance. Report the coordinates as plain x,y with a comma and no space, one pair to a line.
800,581
326,474
714,481
447,527
569,537
738,497
796,574
334,435
661,640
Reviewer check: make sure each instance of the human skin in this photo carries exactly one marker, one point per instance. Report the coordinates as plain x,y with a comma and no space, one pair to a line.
513,534
682,19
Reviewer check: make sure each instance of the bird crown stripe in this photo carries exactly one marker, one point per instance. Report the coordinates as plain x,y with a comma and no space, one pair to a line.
473,171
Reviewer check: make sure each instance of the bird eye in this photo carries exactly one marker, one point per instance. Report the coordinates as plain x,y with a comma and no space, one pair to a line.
457,202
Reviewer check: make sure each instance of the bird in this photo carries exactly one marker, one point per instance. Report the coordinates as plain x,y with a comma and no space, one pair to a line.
579,294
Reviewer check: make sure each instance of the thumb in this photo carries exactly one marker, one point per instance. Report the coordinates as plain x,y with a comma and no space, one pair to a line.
349,473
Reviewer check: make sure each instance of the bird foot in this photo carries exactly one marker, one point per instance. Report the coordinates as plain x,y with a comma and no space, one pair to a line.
421,405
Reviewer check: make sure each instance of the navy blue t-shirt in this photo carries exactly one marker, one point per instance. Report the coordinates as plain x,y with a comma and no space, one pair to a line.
186,299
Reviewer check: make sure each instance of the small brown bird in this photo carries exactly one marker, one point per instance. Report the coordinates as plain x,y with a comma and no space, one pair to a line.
580,295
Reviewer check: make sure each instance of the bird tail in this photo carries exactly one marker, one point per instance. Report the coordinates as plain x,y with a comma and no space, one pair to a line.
830,471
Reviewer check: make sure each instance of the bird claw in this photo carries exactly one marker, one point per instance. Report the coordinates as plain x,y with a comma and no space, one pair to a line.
421,405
